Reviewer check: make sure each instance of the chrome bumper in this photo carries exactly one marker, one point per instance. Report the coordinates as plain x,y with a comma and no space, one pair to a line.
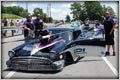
38,64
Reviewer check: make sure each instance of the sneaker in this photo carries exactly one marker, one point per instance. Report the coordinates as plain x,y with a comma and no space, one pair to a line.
113,53
107,53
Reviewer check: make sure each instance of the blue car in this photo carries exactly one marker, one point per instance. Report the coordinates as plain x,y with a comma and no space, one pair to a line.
65,45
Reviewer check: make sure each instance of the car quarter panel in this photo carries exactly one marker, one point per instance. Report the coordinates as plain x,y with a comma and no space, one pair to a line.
85,48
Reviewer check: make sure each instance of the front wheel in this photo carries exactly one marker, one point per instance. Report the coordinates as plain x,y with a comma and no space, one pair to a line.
67,59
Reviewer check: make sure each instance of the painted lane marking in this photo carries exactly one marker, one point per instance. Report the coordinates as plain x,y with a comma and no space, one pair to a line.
9,75
110,66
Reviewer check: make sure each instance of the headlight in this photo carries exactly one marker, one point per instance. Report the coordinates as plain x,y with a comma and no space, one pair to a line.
53,55
11,53
61,56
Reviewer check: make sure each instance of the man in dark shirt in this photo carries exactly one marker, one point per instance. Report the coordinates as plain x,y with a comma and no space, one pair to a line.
5,22
109,25
38,23
5,25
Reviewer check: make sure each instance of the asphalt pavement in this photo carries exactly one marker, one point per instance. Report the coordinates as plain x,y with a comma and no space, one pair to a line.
88,67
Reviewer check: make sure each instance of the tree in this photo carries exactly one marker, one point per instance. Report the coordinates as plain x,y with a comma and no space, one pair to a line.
83,14
112,13
37,11
50,19
94,10
24,13
44,17
76,10
16,10
67,18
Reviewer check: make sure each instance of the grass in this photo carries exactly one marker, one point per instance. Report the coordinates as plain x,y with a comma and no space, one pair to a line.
10,16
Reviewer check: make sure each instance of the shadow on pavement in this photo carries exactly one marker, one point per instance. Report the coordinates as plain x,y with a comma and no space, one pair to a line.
35,72
88,60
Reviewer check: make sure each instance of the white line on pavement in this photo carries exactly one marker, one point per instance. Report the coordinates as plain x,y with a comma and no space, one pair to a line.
110,66
9,75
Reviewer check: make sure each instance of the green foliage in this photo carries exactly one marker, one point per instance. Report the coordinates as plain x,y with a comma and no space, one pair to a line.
10,16
16,10
76,10
67,18
112,13
37,11
43,15
92,10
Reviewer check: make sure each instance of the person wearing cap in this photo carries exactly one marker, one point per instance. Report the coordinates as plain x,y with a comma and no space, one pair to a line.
38,23
109,25
28,25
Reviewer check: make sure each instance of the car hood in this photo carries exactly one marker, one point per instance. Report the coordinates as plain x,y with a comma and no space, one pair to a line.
35,48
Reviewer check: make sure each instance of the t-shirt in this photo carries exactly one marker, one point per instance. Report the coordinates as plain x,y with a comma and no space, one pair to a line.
28,24
5,22
38,23
108,24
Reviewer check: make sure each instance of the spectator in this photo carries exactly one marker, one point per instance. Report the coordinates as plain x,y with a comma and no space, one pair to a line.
28,26
17,23
109,25
38,23
5,22
11,23
5,25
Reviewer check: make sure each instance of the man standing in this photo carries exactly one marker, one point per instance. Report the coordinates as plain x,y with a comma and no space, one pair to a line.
5,25
38,23
109,25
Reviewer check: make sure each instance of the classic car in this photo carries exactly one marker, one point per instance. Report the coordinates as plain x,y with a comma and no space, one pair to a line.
66,45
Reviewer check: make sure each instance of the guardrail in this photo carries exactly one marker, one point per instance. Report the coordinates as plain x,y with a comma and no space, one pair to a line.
13,30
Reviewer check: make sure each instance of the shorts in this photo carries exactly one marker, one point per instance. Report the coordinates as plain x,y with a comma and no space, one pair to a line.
109,40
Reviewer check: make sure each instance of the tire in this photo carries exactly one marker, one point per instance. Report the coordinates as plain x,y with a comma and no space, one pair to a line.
67,60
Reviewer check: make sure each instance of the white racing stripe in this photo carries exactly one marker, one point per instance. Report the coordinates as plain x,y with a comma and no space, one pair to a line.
9,75
110,66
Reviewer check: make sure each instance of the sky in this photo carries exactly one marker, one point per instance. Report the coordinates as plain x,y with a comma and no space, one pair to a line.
59,10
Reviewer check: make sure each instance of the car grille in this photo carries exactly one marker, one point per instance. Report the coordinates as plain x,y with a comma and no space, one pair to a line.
31,67
31,64
31,61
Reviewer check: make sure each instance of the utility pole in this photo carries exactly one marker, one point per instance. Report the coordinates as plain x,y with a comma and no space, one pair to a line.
50,9
27,6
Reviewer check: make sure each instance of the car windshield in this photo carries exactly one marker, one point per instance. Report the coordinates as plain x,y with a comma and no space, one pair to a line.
65,34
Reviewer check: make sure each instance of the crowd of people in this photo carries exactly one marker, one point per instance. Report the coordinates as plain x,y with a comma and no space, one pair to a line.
11,22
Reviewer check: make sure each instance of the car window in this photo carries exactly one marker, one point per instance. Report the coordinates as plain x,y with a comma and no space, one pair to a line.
67,36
